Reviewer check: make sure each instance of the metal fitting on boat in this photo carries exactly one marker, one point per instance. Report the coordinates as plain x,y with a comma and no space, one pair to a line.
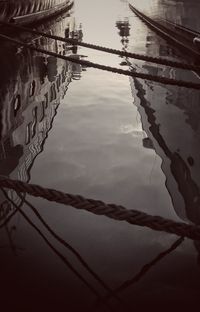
196,41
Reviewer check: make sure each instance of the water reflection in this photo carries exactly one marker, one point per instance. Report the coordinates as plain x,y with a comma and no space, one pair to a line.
183,12
145,269
115,250
32,86
171,120
170,117
102,301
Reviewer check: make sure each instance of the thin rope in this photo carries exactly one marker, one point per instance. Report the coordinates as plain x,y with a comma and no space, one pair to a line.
163,80
145,269
58,253
147,58
6,220
69,247
116,212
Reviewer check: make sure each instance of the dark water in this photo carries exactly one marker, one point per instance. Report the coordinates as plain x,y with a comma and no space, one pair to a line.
107,137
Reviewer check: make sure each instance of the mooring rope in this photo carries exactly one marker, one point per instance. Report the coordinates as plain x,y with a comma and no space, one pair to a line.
163,80
156,60
116,212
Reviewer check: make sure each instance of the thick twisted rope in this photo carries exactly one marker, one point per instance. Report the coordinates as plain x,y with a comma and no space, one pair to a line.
156,60
116,212
115,70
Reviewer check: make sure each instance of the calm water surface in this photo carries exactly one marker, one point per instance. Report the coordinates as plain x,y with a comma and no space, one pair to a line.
91,133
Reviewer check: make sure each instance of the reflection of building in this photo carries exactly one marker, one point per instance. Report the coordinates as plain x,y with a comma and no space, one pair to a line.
32,86
171,119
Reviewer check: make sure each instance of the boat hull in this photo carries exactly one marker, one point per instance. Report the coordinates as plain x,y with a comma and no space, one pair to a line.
30,11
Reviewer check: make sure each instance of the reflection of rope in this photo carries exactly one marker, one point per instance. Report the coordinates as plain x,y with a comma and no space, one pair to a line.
69,247
5,222
146,268
115,70
64,259
112,211
156,60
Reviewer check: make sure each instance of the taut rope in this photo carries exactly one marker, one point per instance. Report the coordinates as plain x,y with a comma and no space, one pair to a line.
112,211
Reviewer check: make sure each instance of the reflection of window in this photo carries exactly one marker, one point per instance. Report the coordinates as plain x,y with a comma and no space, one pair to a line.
58,83
46,100
42,111
32,88
63,77
35,113
34,121
28,133
33,129
17,104
53,92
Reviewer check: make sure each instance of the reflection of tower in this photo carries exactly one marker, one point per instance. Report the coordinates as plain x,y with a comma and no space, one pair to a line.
30,94
124,32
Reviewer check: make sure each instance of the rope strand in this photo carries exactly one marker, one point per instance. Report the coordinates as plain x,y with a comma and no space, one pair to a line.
115,70
112,211
156,60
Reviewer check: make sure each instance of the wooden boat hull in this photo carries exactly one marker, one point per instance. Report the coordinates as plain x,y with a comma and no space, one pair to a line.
30,11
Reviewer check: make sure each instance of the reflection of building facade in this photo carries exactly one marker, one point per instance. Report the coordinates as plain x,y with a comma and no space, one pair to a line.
171,119
176,114
31,89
